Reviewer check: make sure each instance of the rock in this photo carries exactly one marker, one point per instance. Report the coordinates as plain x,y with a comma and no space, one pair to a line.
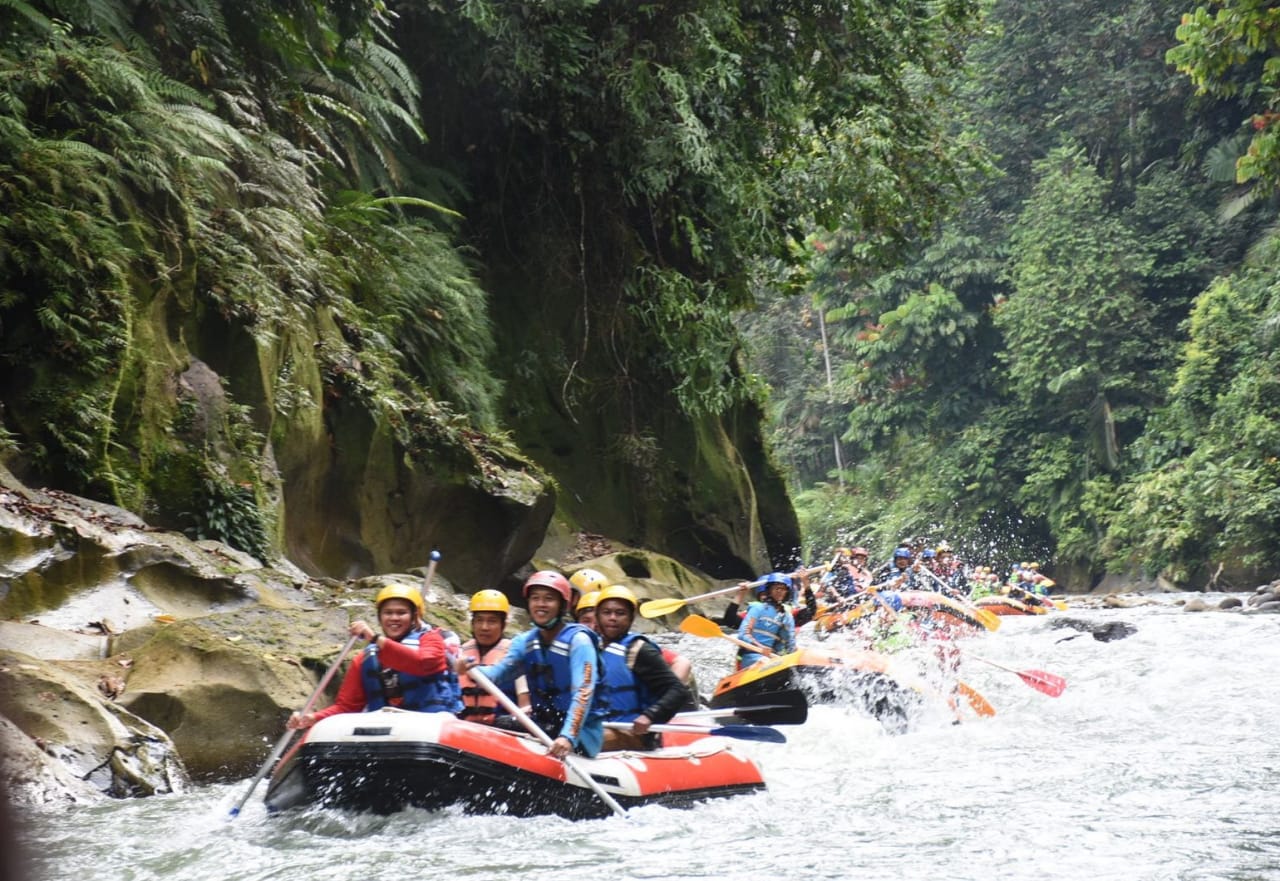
96,741
1270,606
222,686
1231,603
31,776
1126,602
1108,632
1195,605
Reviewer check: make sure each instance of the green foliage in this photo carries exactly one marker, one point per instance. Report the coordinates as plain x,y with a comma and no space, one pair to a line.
203,169
692,330
1235,51
228,512
1212,484
653,155
1076,327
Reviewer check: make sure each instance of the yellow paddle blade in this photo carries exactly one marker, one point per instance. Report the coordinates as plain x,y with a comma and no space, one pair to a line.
986,618
658,608
1059,605
700,626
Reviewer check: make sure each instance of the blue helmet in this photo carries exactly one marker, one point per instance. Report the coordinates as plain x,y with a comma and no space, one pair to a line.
902,552
777,578
928,554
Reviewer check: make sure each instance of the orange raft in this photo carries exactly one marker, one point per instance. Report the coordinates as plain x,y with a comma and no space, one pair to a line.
862,678
1002,605
941,615
391,759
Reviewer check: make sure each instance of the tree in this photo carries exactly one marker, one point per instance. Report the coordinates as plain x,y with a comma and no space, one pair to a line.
1235,52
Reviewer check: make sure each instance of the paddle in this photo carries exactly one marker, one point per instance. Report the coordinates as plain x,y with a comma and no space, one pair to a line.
705,627
980,704
431,573
532,727
658,608
788,707
741,732
1045,683
289,732
988,619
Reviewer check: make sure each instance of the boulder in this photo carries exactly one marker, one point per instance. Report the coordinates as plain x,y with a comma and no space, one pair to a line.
87,745
223,685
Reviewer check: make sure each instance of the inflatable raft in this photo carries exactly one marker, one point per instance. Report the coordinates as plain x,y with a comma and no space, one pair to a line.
1002,605
861,678
391,759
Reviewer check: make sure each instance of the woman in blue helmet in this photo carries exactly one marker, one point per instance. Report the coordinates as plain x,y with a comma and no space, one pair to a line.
769,623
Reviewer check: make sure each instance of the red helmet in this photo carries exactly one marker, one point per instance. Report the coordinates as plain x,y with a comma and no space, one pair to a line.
553,580
859,552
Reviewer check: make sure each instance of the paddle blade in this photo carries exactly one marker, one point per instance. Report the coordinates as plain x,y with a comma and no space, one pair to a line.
700,626
788,707
986,617
1045,683
750,732
976,701
658,608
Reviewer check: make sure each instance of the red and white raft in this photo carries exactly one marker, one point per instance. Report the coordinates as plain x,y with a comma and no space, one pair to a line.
392,759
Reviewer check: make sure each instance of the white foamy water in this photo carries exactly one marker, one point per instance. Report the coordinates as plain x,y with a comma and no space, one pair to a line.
1161,760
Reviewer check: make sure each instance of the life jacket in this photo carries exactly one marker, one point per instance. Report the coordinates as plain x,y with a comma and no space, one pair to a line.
437,693
550,679
622,695
774,630
477,704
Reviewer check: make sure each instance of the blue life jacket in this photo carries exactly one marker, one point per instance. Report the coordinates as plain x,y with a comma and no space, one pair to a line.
621,694
774,629
437,693
550,679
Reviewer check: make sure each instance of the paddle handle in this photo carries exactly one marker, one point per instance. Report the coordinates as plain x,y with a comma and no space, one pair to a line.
749,646
725,591
431,573
533,728
289,732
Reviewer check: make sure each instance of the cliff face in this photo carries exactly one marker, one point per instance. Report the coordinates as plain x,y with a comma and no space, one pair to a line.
297,444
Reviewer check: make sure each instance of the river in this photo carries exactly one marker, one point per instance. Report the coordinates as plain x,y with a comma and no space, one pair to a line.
1161,760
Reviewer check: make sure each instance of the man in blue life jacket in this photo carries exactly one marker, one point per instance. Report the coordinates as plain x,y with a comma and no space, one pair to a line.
769,623
903,574
407,666
561,660
638,685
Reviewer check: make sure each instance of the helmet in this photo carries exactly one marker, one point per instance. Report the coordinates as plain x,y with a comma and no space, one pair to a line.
928,553
1033,565
619,592
777,578
490,600
588,580
943,548
400,592
859,552
553,580
901,552
844,552
588,601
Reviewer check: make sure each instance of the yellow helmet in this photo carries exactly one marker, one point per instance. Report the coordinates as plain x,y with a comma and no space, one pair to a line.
400,592
618,592
587,580
588,601
490,600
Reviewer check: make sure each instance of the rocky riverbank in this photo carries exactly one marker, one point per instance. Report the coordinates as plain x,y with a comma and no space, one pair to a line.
134,660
